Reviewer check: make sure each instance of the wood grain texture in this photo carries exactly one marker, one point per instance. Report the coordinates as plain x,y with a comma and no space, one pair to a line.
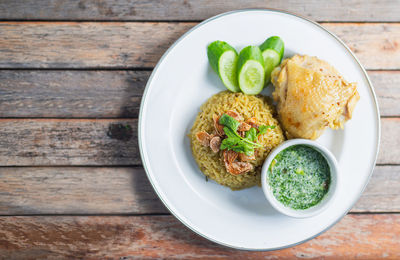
84,143
161,237
382,193
115,94
69,142
77,190
82,45
387,89
89,94
124,190
334,10
377,46
107,142
133,45
389,152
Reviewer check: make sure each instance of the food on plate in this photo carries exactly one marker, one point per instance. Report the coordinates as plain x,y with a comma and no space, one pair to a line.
272,51
249,71
223,59
231,137
311,96
299,177
234,132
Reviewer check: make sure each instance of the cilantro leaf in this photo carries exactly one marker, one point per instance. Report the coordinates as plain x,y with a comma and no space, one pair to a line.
246,149
263,129
251,134
229,143
242,147
237,143
230,133
229,122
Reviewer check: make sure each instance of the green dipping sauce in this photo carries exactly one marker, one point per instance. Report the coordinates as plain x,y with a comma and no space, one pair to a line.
299,177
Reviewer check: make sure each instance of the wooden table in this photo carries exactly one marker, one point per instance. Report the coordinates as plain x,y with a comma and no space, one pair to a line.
72,74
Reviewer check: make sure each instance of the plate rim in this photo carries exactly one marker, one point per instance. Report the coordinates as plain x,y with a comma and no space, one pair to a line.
142,104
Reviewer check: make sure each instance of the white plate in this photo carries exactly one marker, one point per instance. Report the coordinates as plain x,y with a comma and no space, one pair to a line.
183,80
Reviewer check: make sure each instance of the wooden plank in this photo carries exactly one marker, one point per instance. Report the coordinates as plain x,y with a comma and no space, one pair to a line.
69,142
159,237
131,45
83,45
389,152
89,94
76,190
334,10
107,142
123,190
377,46
387,89
382,193
109,94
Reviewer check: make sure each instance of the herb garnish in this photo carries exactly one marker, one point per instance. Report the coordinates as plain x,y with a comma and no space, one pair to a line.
237,143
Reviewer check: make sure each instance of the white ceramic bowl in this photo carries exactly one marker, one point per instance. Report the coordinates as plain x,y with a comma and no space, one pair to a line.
326,200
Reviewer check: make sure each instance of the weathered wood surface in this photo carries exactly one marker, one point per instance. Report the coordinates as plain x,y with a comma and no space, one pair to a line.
87,144
82,45
387,89
133,44
334,10
69,142
88,94
109,94
376,45
382,193
160,237
107,142
126,190
77,190
389,152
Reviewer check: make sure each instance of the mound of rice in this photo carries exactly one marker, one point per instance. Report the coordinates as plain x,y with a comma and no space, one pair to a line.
211,164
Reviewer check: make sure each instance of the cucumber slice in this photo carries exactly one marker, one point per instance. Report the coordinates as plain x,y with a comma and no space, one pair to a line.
272,52
223,59
274,43
251,73
271,60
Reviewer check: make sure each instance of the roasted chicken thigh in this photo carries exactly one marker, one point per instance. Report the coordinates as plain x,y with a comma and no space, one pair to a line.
311,96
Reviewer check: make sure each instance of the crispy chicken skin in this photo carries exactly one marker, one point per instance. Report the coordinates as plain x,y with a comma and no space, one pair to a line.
311,96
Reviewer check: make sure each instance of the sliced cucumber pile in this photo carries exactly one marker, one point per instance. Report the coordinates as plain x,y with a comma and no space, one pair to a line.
272,51
249,71
223,59
251,74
